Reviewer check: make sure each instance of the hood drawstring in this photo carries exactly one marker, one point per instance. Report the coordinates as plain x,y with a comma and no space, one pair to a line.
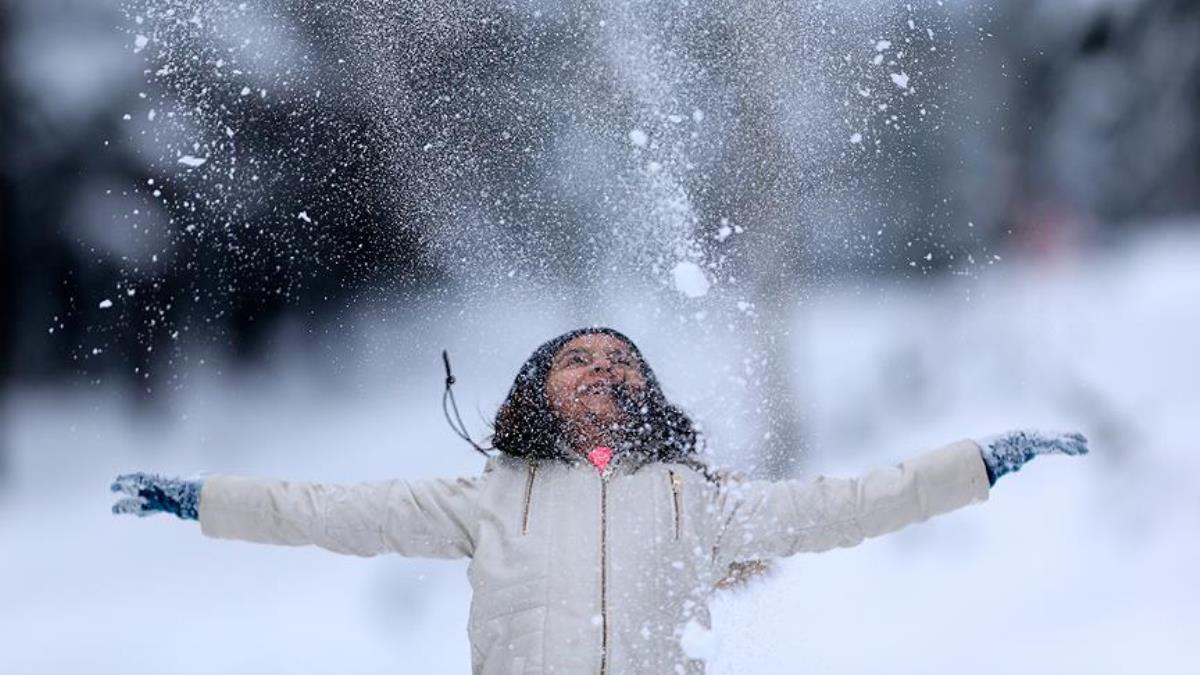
460,429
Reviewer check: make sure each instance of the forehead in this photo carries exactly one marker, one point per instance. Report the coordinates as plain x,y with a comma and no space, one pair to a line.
596,343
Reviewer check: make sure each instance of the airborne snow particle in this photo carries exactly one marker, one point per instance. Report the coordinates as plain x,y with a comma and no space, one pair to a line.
697,115
901,80
245,91
638,138
883,45
697,641
140,42
303,215
856,138
192,162
689,279
105,303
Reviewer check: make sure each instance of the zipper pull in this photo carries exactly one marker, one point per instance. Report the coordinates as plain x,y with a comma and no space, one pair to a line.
676,492
528,497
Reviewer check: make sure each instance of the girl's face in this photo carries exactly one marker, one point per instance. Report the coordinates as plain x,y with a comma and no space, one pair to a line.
583,376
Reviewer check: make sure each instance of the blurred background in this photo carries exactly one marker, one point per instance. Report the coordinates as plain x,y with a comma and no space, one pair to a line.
236,236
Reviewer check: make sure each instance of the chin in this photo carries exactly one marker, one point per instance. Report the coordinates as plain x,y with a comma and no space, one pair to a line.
605,414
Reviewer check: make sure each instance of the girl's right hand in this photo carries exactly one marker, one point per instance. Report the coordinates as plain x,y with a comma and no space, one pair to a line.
149,493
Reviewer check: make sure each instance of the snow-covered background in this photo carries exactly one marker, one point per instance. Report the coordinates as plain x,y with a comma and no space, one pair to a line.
234,238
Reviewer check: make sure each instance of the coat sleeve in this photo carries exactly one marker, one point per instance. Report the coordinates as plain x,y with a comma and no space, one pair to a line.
426,518
766,519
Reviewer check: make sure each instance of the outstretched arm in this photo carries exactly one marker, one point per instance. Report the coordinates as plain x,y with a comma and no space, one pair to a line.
429,518
763,519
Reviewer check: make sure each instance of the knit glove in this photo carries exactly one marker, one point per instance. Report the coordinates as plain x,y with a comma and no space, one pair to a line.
1006,452
150,493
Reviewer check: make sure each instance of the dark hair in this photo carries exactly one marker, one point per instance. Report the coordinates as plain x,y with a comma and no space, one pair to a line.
526,426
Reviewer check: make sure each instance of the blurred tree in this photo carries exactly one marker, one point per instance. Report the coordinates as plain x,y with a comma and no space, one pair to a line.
9,278
8,211
400,147
1096,115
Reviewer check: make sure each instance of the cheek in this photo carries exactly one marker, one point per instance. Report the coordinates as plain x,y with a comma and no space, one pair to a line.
558,393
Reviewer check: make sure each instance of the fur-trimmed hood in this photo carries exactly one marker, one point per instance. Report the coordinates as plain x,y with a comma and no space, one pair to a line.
527,427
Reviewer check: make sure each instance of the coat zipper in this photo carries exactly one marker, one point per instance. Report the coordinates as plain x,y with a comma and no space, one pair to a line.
528,497
676,499
603,573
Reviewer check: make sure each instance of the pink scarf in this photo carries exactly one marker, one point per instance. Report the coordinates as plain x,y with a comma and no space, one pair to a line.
600,457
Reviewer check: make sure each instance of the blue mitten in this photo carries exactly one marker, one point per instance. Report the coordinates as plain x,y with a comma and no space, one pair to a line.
151,493
1006,452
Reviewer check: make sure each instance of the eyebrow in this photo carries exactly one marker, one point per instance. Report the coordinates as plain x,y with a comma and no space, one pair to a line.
573,350
581,350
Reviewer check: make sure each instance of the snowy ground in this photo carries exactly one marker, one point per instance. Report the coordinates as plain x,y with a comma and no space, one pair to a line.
1073,566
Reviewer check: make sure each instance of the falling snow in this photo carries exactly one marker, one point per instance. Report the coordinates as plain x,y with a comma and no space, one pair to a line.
689,279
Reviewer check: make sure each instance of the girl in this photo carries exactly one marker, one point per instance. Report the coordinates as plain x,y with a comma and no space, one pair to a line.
596,534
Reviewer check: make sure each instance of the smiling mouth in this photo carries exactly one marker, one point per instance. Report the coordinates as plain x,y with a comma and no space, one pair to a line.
596,389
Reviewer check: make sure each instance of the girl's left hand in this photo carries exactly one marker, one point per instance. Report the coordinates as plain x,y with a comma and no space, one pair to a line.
1007,452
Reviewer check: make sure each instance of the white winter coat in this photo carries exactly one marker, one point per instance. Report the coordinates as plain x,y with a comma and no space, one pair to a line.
575,572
